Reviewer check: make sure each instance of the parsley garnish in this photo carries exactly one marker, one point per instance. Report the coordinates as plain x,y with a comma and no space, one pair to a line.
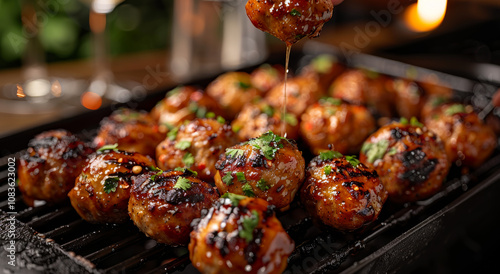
248,190
113,147
182,183
248,224
173,92
244,85
221,120
323,63
241,177
331,101
199,111
157,174
328,155
227,179
375,151
210,115
186,171
110,184
327,170
352,160
438,101
403,121
172,134
454,109
392,151
188,159
153,168
268,110
237,128
295,12
291,119
262,185
414,122
268,143
183,145
235,198
234,152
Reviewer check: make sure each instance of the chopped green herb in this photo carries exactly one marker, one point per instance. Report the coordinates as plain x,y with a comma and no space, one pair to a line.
438,101
168,125
172,134
241,177
186,171
328,155
234,152
327,170
268,110
269,69
127,116
173,92
392,151
183,144
414,122
295,12
210,115
403,121
113,147
221,120
291,119
182,183
248,225
188,159
228,179
331,101
268,144
244,85
153,168
157,174
262,185
235,198
323,63
198,110
454,109
110,184
248,190
371,74
237,128
352,160
375,151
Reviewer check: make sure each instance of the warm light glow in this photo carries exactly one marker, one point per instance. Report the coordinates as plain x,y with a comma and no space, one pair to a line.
425,15
20,91
56,88
91,100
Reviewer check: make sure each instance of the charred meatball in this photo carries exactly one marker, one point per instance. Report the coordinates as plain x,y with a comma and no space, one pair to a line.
342,192
102,190
163,204
268,167
259,118
240,235
324,69
184,103
288,20
409,159
133,131
409,97
267,77
196,145
301,92
232,90
336,123
49,167
468,141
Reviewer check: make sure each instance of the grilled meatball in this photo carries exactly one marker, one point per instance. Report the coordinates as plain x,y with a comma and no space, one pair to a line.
342,192
301,92
410,160
269,167
184,103
232,90
196,145
468,141
49,167
267,77
408,97
323,69
240,237
362,87
259,118
163,204
288,20
133,131
336,123
431,103
102,190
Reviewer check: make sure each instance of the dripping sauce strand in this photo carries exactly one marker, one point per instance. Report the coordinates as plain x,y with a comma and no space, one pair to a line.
283,114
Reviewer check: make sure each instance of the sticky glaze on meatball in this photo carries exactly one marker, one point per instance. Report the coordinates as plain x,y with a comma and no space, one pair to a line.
133,131
408,97
184,103
468,141
258,118
232,90
163,204
240,235
289,20
102,190
196,145
267,77
410,160
50,165
342,192
301,92
268,167
336,123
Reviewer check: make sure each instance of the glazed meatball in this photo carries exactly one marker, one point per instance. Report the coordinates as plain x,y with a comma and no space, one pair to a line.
259,118
163,204
408,97
232,90
342,192
301,92
323,69
240,235
288,20
268,167
336,123
363,87
102,190
196,145
267,77
468,141
431,104
133,131
409,159
49,167
184,103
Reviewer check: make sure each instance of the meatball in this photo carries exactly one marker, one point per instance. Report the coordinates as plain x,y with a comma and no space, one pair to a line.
408,97
409,159
50,165
336,123
133,131
323,69
301,92
363,87
468,141
196,145
267,77
184,103
269,167
240,235
288,20
431,103
259,118
342,192
102,190
163,204
232,90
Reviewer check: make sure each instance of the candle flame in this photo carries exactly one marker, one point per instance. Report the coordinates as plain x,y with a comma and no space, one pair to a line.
425,15
20,91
